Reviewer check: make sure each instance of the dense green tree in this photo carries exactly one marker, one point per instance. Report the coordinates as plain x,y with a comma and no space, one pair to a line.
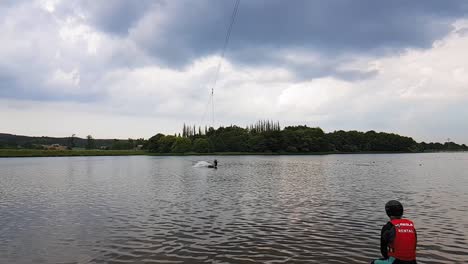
257,143
153,143
181,145
165,143
71,142
232,138
303,139
90,144
201,145
121,144
272,140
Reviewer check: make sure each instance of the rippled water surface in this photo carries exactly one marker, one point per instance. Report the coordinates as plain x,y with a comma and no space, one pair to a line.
252,209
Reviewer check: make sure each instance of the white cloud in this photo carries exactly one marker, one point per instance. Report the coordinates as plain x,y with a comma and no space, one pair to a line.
310,97
49,5
123,92
65,81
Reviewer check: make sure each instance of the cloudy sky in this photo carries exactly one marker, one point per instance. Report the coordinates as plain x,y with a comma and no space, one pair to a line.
121,68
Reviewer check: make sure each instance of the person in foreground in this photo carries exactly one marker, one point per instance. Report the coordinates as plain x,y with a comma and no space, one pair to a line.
398,237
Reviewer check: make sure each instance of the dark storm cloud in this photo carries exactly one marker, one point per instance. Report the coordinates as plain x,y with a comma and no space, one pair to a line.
17,87
174,33
304,68
331,28
116,16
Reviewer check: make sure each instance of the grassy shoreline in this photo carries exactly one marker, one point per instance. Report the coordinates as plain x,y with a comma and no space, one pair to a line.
16,153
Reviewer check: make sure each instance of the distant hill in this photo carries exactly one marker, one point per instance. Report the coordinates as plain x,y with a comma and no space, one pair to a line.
14,141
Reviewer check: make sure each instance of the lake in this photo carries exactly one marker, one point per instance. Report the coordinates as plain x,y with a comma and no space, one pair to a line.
252,209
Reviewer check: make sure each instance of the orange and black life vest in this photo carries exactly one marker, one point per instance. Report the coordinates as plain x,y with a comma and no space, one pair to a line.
403,246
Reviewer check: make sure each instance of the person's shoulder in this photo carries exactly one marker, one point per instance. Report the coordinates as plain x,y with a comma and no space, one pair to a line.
389,223
387,226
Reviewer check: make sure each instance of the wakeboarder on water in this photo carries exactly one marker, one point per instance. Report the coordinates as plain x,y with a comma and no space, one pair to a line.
398,237
214,165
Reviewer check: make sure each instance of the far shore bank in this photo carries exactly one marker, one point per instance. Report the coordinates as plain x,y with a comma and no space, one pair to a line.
17,153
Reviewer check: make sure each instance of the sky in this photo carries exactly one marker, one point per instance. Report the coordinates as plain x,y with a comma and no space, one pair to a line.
121,68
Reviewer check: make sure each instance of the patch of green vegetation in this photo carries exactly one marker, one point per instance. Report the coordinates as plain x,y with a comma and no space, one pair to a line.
262,138
64,153
267,138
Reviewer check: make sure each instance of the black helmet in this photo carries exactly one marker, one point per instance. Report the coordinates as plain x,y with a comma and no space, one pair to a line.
394,208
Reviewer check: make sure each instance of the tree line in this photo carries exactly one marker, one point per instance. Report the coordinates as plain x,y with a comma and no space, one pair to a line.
9,141
262,137
267,136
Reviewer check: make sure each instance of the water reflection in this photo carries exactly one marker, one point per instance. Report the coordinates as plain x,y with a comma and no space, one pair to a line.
255,209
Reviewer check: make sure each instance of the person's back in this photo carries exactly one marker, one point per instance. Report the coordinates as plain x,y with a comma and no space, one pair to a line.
398,237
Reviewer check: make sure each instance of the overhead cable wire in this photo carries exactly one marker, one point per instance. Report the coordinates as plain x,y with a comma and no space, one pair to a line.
223,52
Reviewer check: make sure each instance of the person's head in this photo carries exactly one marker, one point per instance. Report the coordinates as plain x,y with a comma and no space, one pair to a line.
394,209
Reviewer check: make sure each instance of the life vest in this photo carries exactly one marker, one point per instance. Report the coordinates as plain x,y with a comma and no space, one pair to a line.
403,246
